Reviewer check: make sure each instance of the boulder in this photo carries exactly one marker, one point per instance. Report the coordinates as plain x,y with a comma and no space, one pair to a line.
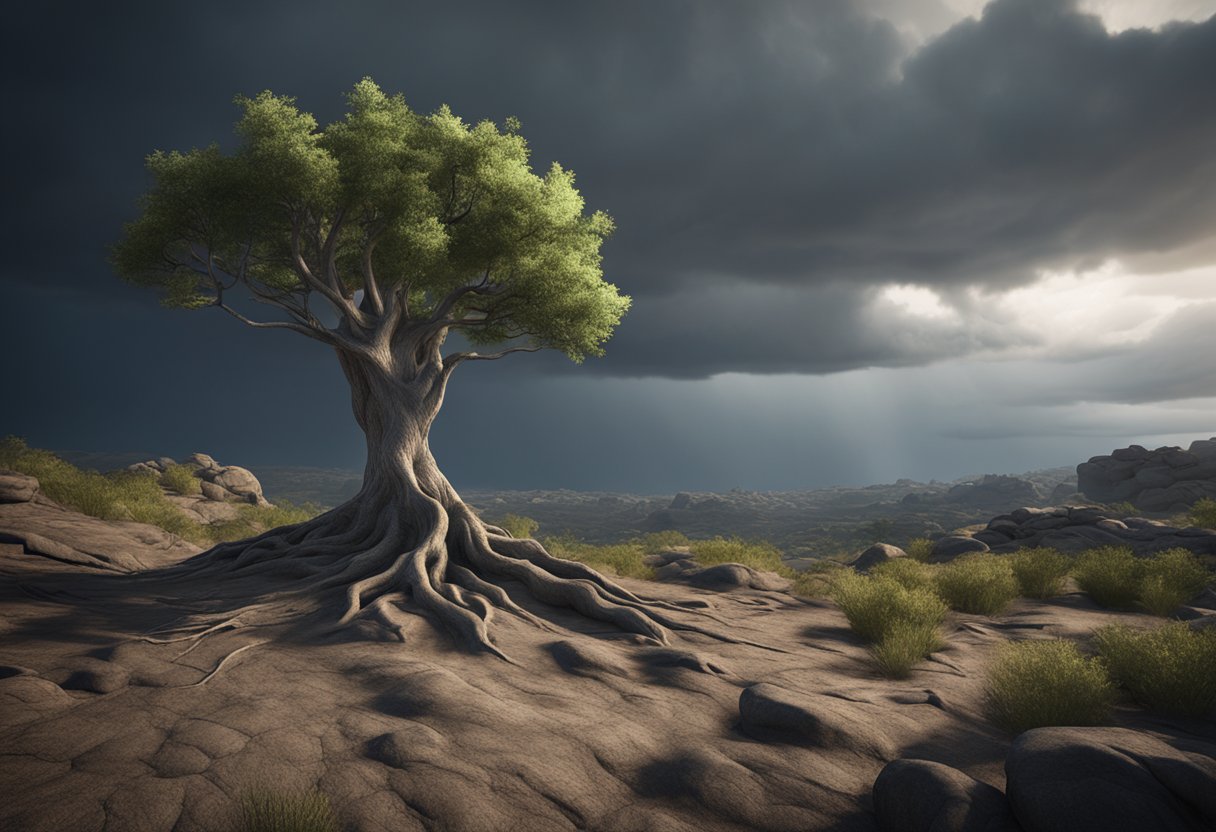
203,461
214,492
1101,779
768,712
1165,479
17,488
923,796
728,576
680,501
876,554
239,481
950,547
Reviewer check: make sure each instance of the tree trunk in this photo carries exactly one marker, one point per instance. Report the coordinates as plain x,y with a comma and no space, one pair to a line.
407,541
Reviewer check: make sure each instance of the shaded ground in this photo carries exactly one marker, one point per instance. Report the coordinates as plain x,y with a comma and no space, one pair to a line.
592,729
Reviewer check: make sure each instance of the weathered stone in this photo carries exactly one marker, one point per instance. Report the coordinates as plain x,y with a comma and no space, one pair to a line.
93,675
1099,779
949,547
876,554
923,796
770,712
17,488
214,492
727,576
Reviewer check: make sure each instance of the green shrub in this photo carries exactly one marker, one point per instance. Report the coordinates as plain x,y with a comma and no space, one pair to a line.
910,573
662,541
978,583
251,520
1111,575
874,605
270,811
1040,571
1123,509
758,554
920,549
817,580
903,645
624,559
1171,578
1171,668
1038,683
1203,513
180,478
518,526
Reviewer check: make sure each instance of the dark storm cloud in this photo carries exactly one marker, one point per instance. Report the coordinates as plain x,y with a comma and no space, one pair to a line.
769,164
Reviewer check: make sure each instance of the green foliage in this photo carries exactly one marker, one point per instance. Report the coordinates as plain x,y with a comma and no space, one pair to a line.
1123,509
272,811
873,606
431,202
518,526
1171,669
1171,578
817,580
1203,513
758,554
181,479
910,573
919,548
1040,571
982,584
1111,575
624,559
903,645
1034,684
658,541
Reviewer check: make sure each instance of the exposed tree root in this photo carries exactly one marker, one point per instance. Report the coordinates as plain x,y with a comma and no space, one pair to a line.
376,565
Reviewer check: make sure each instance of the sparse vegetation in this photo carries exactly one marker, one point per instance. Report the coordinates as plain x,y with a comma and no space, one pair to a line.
873,605
1039,683
758,554
910,573
124,495
271,811
1114,577
624,559
180,479
817,580
982,584
1171,668
1203,513
1123,509
1040,571
920,549
519,526
1111,575
903,645
1170,579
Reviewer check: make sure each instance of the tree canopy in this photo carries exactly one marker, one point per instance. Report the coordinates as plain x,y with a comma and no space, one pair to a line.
384,213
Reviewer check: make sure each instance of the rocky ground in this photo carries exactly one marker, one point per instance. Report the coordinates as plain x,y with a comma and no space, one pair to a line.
108,723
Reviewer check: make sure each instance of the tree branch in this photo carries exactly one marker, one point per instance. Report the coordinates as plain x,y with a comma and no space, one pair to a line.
453,360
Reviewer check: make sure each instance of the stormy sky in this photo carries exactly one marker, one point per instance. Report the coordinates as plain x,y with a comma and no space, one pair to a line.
865,240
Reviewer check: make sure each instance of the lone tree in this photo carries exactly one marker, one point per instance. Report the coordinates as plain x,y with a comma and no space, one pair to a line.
380,236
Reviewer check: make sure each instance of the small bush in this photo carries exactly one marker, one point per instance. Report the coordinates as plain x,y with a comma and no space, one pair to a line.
181,479
920,549
1123,509
873,606
817,580
1038,683
1171,668
758,554
624,559
982,584
903,645
1170,579
1111,575
251,520
1203,513
518,526
910,573
268,811
1040,571
662,541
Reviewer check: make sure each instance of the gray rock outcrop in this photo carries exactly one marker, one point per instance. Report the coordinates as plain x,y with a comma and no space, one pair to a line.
923,796
219,483
1075,528
1099,779
876,554
1165,479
